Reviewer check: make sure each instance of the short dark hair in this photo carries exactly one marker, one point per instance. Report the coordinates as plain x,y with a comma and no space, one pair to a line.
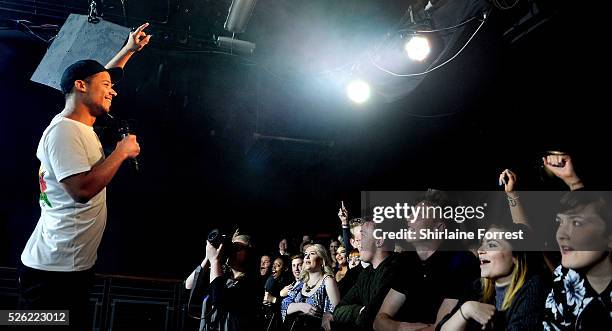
389,226
84,69
285,259
602,201
435,197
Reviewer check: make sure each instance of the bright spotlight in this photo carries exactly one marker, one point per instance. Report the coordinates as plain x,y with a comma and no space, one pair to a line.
417,48
358,91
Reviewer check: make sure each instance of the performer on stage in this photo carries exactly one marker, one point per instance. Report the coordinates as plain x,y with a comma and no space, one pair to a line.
59,257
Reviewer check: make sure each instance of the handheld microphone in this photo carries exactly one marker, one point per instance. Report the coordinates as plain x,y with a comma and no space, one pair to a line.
124,131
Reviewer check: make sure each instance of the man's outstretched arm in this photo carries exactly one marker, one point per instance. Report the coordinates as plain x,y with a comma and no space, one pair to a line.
137,40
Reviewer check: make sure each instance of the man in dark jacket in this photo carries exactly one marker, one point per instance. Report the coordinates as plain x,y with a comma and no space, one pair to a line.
358,308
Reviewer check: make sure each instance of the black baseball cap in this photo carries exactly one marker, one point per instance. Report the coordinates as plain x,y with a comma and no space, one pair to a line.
83,69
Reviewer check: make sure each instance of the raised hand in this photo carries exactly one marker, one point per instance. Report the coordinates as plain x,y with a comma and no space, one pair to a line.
138,39
213,254
561,166
508,179
343,214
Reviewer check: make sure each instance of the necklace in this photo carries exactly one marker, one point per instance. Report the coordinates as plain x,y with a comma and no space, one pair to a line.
309,288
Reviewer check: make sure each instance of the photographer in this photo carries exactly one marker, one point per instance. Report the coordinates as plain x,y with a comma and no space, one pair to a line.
232,295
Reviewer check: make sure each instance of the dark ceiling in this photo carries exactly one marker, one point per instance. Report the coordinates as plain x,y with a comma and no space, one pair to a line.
269,141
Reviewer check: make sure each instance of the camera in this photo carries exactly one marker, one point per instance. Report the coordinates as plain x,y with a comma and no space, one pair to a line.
216,238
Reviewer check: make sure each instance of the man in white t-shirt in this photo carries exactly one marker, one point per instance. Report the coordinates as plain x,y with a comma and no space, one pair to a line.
59,257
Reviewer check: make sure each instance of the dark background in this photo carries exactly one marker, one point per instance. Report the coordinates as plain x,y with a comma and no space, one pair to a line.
499,105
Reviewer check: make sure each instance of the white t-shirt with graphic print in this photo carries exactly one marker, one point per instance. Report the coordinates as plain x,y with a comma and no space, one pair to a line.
68,233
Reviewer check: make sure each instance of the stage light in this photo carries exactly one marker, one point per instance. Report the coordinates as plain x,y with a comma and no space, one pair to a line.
358,91
417,48
239,14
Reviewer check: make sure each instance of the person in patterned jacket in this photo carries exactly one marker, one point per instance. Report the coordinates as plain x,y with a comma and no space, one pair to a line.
581,295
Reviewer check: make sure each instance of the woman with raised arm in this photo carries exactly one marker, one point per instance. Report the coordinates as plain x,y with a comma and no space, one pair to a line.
508,179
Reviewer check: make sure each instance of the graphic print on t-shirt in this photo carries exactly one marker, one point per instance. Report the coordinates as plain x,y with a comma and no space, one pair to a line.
43,187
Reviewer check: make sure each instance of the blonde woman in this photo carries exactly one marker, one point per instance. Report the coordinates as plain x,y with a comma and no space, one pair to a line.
315,295
511,293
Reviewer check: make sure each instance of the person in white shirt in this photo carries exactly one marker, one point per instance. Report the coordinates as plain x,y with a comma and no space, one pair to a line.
59,257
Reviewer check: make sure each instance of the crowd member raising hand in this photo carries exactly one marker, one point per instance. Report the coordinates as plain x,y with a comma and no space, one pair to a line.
561,165
508,179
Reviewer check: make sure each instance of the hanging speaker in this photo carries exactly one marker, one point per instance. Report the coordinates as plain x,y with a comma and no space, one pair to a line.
239,14
79,40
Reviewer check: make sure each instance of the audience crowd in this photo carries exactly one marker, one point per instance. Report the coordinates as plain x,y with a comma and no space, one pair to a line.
358,281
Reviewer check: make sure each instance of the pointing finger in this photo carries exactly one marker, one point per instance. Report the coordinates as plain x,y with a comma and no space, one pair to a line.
140,28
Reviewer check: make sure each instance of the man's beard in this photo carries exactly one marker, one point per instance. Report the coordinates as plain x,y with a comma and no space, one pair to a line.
97,109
